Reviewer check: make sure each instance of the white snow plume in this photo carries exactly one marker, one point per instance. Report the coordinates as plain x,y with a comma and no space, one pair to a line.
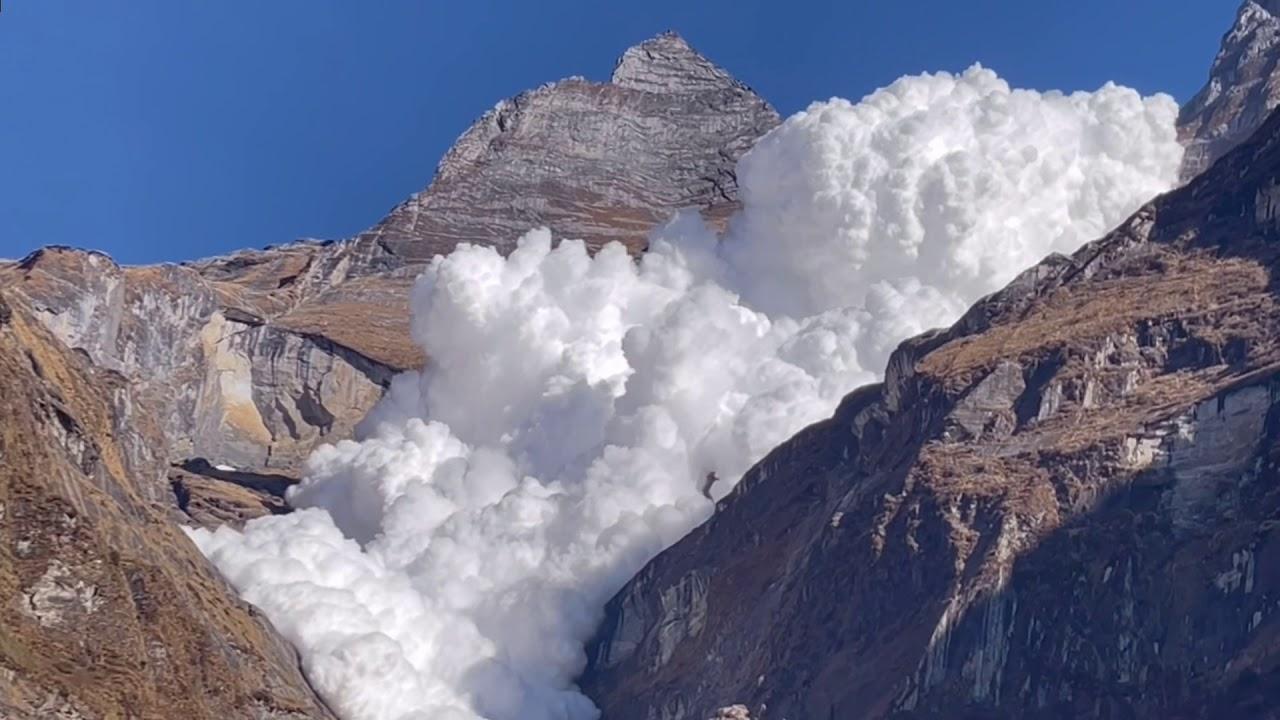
452,562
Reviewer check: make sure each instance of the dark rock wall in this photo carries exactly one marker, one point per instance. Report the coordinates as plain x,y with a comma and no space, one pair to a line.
1065,506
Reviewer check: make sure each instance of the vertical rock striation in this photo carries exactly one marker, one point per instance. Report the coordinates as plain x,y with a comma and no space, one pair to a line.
109,611
593,161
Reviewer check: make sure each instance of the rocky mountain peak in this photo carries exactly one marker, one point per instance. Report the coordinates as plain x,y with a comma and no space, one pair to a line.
252,359
667,64
1243,87
593,161
1271,7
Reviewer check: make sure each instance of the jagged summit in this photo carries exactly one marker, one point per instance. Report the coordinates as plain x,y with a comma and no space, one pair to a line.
592,161
666,63
1243,87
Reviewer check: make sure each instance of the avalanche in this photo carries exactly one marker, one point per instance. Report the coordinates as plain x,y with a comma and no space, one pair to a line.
451,562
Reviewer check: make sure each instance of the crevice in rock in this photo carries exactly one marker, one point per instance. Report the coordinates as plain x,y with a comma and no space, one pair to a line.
270,483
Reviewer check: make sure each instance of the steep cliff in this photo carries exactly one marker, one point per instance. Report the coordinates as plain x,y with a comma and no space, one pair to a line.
1063,506
205,370
1243,87
593,161
109,611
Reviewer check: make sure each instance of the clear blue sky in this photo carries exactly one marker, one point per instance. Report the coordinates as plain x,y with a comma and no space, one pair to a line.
174,129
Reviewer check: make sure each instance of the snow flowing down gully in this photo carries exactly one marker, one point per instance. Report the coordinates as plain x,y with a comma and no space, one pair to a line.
452,561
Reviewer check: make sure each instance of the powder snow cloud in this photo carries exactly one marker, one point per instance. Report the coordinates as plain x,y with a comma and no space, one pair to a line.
451,562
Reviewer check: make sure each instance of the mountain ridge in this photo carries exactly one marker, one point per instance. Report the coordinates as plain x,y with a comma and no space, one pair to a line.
249,360
1061,506
284,348
1243,87
148,397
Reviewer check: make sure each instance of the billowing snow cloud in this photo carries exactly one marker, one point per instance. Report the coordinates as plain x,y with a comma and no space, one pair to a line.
580,410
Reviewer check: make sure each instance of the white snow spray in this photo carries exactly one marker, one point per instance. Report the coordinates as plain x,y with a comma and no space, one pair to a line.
450,563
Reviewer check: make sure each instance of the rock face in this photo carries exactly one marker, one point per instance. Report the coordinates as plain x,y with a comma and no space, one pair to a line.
109,611
594,161
250,361
214,368
1243,87
1063,506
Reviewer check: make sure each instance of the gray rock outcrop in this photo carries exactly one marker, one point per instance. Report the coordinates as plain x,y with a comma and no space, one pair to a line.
594,161
1243,88
109,611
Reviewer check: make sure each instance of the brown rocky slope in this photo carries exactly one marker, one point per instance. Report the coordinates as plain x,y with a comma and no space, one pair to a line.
108,610
1064,506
